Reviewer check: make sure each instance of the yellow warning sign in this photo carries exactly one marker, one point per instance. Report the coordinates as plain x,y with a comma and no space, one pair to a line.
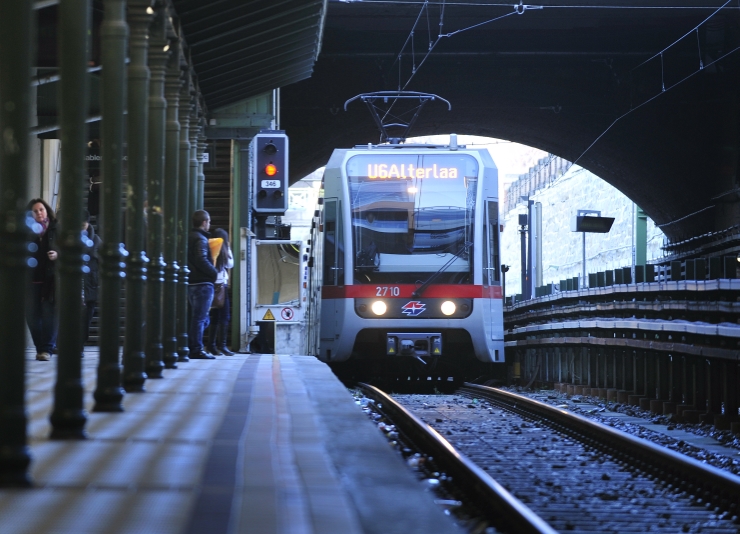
436,350
268,316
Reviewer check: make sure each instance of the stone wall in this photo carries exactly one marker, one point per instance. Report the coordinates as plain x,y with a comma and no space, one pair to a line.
562,249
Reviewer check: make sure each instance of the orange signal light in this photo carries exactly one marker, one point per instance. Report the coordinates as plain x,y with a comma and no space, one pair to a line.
270,169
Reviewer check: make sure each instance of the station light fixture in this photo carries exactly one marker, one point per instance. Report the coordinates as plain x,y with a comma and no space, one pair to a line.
591,224
589,221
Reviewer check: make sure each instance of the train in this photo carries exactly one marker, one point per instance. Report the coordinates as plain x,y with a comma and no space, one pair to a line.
408,238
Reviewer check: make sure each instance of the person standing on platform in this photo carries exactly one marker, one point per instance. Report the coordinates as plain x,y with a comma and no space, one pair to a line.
90,278
41,308
220,310
200,284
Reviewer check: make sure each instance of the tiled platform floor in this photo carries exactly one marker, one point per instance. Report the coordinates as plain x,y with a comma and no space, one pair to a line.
244,444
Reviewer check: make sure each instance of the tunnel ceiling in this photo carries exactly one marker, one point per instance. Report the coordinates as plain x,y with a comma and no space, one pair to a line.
573,81
587,82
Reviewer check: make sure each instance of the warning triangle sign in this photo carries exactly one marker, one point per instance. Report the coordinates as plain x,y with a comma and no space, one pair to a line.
268,316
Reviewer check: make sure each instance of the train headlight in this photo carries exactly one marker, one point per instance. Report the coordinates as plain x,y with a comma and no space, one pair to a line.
379,307
448,307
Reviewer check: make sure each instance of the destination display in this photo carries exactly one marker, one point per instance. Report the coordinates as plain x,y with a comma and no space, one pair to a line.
385,171
392,167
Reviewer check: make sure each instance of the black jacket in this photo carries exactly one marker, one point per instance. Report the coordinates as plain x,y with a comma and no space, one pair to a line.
200,262
91,279
45,271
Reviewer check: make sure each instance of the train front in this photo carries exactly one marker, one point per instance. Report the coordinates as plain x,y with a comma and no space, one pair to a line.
411,261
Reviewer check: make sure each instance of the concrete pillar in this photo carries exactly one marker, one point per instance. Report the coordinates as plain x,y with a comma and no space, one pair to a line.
69,417
651,386
713,387
730,390
639,386
114,37
594,356
139,17
16,44
615,368
700,384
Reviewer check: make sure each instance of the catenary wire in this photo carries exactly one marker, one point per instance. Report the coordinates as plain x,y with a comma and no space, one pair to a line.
674,43
653,98
520,9
528,6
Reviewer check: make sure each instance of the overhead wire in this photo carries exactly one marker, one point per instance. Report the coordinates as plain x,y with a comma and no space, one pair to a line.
521,9
409,38
665,89
534,6
695,28
442,35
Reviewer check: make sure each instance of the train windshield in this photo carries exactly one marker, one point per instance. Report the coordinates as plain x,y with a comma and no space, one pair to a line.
412,216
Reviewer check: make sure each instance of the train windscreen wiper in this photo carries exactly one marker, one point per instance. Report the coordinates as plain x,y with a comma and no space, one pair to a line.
419,290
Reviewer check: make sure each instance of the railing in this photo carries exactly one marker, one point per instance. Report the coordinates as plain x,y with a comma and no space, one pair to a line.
698,269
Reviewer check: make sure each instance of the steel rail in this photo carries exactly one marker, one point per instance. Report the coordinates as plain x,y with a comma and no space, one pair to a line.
501,508
717,485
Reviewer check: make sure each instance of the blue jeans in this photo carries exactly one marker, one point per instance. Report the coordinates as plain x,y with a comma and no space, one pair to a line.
200,297
42,320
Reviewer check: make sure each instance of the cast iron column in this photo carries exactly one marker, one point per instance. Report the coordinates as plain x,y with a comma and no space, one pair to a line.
184,212
196,202
172,158
201,175
15,109
139,15
69,416
114,37
155,193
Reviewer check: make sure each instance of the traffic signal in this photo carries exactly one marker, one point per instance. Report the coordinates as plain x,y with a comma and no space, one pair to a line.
269,155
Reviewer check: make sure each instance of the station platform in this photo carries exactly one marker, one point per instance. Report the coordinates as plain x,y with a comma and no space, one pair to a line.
244,444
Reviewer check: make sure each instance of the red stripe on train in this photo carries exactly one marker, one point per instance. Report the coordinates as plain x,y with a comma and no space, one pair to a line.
404,291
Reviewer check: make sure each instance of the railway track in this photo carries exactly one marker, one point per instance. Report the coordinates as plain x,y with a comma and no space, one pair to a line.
460,477
576,475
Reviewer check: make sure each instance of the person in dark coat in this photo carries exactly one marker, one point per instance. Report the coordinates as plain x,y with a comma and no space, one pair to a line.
92,277
41,313
200,282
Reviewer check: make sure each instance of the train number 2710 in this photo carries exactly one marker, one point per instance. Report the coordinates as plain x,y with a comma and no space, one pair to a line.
387,291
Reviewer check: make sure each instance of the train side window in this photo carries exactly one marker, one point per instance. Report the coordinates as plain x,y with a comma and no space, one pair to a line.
492,242
333,246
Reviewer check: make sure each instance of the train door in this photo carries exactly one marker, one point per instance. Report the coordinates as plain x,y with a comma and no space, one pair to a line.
492,278
333,277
